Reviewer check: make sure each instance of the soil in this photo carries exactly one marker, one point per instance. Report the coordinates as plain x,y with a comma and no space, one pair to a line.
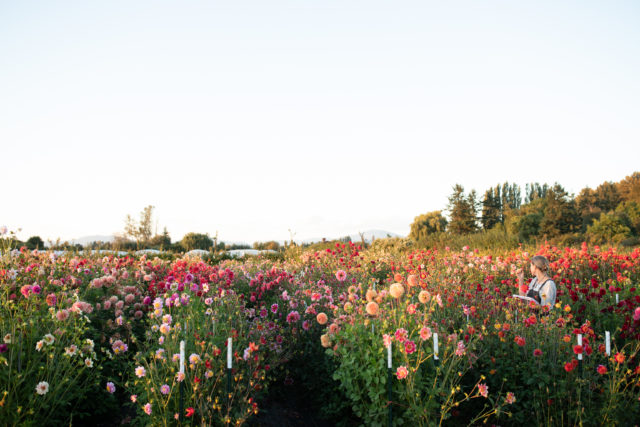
278,413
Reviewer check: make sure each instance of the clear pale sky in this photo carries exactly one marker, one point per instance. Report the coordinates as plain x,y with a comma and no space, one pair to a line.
325,117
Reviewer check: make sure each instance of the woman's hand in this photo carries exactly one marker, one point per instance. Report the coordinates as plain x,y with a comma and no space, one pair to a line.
520,275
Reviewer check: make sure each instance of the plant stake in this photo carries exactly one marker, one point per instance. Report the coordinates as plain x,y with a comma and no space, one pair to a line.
182,382
436,360
389,364
580,354
229,365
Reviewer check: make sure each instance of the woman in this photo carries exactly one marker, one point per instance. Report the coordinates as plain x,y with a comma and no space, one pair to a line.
542,288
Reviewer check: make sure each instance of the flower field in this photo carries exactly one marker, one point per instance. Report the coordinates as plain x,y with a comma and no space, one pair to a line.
105,340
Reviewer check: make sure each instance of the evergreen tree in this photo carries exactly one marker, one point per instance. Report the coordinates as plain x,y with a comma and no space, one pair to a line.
535,191
491,209
462,211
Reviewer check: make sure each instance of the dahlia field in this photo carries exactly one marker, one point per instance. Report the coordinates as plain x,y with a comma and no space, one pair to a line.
360,336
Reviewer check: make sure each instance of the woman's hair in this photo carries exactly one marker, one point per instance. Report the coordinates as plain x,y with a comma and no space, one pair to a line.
542,263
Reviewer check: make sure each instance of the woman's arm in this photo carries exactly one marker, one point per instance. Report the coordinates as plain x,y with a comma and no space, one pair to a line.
521,288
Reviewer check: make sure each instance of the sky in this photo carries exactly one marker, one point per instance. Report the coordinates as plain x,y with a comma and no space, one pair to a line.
265,120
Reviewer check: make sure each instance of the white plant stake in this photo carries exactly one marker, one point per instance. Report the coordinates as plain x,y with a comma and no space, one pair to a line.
435,346
617,300
607,343
389,356
229,353
580,344
182,357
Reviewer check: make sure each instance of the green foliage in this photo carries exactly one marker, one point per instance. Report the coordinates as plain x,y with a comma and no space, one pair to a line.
607,196
34,242
270,245
609,228
160,241
192,241
426,224
560,213
629,188
630,214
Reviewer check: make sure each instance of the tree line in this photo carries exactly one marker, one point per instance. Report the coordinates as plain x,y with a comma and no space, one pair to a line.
610,213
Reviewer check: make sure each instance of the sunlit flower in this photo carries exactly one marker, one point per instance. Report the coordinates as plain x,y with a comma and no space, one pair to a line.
325,340
386,340
71,350
372,308
165,389
425,333
602,369
88,363
147,409
409,347
180,377
401,335
322,318
62,315
111,388
619,357
140,371
424,297
341,275
396,290
39,345
51,300
402,372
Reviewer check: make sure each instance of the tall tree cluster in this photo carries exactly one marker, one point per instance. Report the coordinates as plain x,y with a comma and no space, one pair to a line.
608,213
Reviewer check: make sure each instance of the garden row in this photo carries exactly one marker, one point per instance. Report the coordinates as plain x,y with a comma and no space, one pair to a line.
194,343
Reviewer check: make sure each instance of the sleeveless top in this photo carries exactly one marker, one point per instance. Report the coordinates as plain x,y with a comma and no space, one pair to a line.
534,290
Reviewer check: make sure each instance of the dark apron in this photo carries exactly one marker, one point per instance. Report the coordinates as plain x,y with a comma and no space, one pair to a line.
535,294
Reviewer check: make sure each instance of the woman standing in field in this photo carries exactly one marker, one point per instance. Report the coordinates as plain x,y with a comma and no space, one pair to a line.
542,288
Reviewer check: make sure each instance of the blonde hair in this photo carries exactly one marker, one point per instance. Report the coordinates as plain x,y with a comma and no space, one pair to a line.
542,263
